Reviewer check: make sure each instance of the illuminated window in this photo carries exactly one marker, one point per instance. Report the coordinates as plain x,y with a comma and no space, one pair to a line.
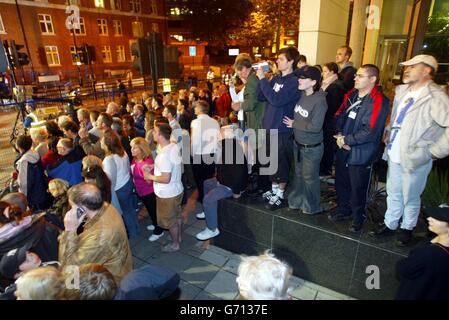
99,3
117,27
175,11
107,56
82,29
153,7
116,5
135,6
121,57
45,24
52,55
137,27
102,27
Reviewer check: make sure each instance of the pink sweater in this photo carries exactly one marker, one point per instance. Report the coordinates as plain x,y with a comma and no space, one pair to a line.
143,187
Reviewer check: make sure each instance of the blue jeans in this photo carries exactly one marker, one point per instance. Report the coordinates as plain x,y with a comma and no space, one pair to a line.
404,190
125,198
306,186
213,191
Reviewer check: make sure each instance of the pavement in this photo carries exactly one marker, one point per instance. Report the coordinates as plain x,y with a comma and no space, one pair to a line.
208,272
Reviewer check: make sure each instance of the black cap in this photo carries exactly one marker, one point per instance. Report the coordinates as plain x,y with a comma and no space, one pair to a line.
308,72
438,213
9,265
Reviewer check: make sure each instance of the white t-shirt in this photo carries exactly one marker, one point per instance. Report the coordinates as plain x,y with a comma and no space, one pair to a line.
168,160
205,134
117,168
395,152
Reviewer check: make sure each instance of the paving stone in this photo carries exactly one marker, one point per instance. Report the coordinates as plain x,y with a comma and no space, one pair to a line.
145,249
223,285
304,293
232,266
192,230
199,273
325,290
221,251
296,282
188,291
203,295
324,296
176,261
214,258
137,263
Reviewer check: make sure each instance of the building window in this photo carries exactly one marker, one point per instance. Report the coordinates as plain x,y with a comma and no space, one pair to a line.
2,27
82,29
52,55
117,27
137,27
99,3
121,57
131,42
153,7
116,4
155,27
73,54
46,24
102,27
74,2
135,6
107,56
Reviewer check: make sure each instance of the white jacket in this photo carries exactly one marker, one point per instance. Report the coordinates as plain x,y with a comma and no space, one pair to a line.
425,130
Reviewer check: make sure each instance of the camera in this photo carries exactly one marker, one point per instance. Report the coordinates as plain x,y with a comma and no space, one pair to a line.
264,65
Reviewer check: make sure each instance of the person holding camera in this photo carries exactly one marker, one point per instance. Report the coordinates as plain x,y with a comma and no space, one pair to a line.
103,238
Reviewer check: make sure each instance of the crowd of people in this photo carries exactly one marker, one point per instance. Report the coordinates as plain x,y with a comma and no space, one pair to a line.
83,178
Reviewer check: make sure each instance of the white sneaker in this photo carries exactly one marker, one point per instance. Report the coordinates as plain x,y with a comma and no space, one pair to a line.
201,215
207,234
155,237
150,227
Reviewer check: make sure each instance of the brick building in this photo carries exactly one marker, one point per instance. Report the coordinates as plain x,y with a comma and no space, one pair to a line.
110,26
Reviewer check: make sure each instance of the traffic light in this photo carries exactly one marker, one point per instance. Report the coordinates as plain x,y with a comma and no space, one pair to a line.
86,53
141,54
18,58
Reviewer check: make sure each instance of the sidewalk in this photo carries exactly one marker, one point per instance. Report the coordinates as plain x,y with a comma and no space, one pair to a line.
209,273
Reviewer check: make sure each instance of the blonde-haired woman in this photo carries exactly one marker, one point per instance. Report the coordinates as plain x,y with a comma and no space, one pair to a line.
58,189
40,140
40,284
142,158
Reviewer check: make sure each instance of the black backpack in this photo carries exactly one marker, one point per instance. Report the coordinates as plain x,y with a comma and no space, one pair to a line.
37,187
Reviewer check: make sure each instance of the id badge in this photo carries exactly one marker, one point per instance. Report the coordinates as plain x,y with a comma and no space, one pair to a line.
352,115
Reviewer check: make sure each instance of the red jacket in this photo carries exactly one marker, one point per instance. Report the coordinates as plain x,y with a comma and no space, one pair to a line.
223,105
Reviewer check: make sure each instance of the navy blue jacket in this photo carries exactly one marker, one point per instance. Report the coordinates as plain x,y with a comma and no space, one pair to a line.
363,133
68,168
282,93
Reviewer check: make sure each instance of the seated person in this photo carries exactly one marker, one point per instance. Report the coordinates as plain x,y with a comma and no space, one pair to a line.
56,213
148,283
230,180
68,167
44,283
95,283
12,220
263,278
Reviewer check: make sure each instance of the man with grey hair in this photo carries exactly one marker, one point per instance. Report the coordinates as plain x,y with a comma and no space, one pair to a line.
103,239
112,109
417,134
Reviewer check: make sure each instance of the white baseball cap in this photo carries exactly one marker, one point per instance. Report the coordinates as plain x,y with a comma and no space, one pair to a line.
422,58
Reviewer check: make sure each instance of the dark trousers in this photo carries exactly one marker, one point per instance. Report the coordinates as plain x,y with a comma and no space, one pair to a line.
149,201
352,185
329,148
201,172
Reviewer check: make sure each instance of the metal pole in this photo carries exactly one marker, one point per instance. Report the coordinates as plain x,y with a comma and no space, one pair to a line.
80,80
26,41
153,63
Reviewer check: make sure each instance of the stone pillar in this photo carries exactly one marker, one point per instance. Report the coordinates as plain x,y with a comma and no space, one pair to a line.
372,35
358,27
322,29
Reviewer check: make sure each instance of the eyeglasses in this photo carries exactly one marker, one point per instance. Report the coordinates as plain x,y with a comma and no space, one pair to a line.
360,76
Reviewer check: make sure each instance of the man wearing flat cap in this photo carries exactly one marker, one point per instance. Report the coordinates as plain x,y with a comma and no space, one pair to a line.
417,134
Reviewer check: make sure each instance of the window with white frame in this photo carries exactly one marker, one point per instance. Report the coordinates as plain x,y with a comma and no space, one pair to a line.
46,24
121,56
99,3
153,7
107,56
73,54
131,42
2,27
52,55
116,4
155,27
135,6
137,27
82,29
102,27
117,27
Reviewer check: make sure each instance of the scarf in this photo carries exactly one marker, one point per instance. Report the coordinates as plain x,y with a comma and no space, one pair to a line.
328,81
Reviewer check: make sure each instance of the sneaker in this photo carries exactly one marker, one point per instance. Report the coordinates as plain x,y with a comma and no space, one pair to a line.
150,227
201,215
404,237
339,216
382,231
155,237
267,195
355,227
207,234
275,203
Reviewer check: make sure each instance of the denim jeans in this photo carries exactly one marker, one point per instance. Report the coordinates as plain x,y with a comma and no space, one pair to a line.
125,198
404,190
306,185
213,191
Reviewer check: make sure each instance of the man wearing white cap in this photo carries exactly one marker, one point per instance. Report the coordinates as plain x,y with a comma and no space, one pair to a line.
417,134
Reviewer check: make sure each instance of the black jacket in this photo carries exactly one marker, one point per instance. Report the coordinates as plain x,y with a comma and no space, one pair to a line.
424,274
234,174
347,76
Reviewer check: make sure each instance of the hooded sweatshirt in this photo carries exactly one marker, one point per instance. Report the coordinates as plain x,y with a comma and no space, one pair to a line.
309,118
30,156
281,94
